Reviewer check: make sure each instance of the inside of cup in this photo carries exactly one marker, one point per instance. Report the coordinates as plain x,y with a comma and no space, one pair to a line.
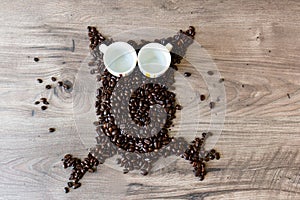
120,59
154,60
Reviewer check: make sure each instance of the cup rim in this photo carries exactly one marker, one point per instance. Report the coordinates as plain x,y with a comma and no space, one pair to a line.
130,51
166,67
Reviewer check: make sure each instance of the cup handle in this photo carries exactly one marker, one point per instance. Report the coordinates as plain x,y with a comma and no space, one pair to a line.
169,46
103,48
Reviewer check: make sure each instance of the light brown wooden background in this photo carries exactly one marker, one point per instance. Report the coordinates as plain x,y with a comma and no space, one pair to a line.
254,43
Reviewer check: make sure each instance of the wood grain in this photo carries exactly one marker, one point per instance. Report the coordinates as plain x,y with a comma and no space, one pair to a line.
255,45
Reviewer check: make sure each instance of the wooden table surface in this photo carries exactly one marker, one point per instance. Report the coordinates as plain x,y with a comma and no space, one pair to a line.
255,45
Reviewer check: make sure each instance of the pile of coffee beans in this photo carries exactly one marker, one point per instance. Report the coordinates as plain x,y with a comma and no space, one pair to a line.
44,101
95,37
79,168
197,156
144,162
148,95
139,106
135,115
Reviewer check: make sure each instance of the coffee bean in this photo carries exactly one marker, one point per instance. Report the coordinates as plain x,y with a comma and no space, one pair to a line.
70,184
210,73
76,185
206,159
178,107
212,105
91,170
60,83
67,85
51,130
202,97
201,177
37,102
48,87
211,156
68,156
44,107
39,80
36,59
66,189
187,74
53,79
144,172
217,155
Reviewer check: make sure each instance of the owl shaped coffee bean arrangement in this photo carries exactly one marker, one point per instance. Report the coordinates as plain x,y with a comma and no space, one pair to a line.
136,105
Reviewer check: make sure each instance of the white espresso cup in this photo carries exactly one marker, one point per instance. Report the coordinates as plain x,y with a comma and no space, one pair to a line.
119,58
154,59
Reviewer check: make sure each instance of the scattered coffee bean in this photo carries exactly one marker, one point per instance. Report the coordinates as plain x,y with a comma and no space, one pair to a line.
66,189
48,87
60,83
202,97
44,100
39,80
288,95
212,105
44,107
53,79
37,102
51,130
67,85
210,73
187,74
217,154
221,80
36,59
